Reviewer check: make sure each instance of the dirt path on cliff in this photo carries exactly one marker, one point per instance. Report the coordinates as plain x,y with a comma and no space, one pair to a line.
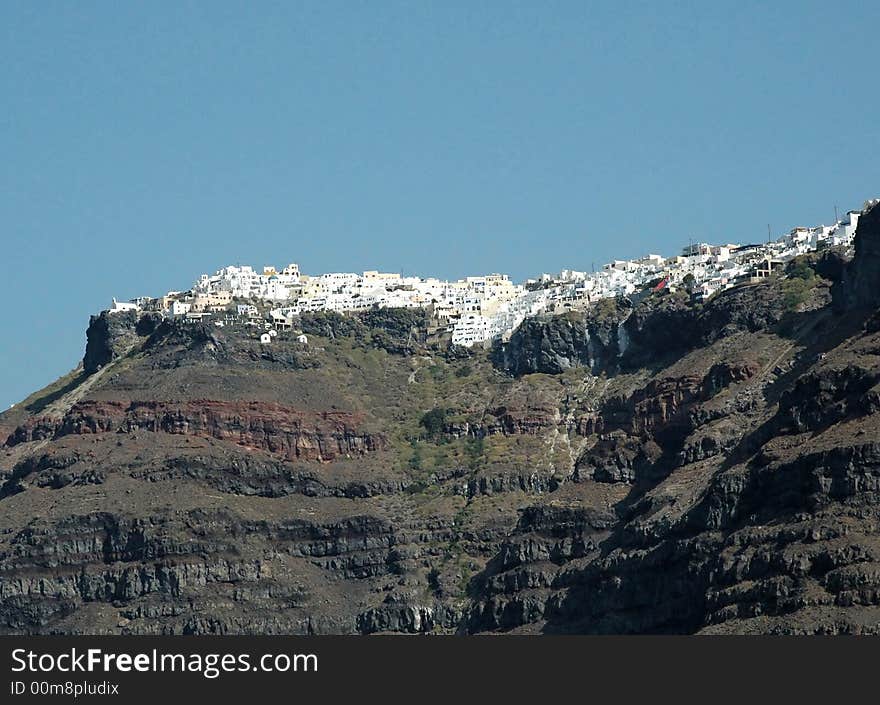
56,409
61,406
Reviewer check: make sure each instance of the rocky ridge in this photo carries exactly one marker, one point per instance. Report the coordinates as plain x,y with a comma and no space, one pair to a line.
648,467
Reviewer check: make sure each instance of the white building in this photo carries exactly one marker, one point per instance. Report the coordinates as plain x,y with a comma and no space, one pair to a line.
482,308
180,308
120,306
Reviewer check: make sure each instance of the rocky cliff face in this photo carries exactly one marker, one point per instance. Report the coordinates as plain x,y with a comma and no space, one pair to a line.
657,468
861,285
751,488
285,432
617,336
554,344
111,335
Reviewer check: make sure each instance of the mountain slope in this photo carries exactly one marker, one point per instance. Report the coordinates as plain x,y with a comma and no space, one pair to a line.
658,467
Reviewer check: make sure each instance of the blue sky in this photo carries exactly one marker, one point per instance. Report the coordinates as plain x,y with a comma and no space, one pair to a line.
145,143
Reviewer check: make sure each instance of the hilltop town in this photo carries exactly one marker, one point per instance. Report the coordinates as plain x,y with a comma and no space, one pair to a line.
648,464
480,309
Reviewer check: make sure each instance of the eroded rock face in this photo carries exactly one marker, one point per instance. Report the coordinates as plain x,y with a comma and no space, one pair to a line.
829,395
861,284
782,547
282,431
673,469
752,490
400,331
553,344
550,345
111,335
610,338
151,567
503,420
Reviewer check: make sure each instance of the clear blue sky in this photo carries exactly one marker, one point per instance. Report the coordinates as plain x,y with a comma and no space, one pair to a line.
145,143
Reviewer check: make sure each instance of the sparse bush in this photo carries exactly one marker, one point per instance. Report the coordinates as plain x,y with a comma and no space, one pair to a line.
330,324
800,269
397,331
474,449
434,581
434,421
397,322
415,460
795,292
688,282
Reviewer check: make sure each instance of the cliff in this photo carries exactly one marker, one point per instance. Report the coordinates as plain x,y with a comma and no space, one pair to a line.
111,335
861,285
658,467
616,336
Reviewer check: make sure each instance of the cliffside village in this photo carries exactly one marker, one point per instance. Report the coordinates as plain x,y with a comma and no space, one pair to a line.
479,309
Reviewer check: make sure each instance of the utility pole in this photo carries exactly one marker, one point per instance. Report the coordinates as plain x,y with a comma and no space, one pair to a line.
768,233
836,219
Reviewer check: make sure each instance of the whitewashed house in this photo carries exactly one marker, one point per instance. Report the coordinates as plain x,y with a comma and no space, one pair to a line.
121,306
180,308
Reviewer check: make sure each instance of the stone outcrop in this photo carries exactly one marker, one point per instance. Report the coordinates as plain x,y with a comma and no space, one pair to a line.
659,328
504,421
111,335
399,331
861,280
553,344
282,431
149,568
